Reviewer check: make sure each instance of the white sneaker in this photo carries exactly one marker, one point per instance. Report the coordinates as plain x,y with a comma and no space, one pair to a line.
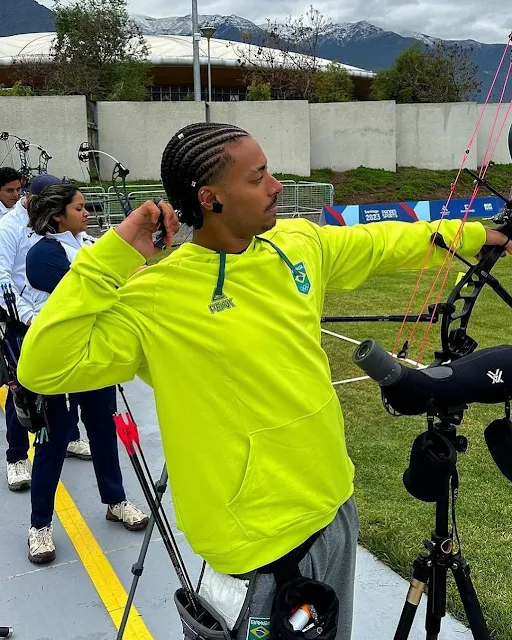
79,449
133,519
19,475
40,543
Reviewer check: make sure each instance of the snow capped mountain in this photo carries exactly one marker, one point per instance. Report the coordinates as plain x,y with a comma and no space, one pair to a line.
182,25
348,31
360,44
345,32
431,40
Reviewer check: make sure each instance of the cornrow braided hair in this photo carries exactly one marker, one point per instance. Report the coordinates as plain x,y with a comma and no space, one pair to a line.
194,157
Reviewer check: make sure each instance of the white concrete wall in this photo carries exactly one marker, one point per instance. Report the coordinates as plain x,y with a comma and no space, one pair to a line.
136,133
499,152
435,136
295,136
282,129
58,124
346,135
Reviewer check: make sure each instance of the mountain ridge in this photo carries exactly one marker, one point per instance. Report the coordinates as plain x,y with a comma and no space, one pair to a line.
360,44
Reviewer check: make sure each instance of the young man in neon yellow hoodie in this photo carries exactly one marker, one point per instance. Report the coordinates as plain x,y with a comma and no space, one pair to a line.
227,332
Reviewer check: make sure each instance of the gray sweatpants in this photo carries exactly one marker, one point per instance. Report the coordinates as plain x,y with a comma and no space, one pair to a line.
331,559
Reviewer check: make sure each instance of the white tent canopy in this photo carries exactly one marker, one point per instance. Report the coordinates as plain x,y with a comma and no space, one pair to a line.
164,51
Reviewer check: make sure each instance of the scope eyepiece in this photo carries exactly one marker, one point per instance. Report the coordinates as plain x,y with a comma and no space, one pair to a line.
374,360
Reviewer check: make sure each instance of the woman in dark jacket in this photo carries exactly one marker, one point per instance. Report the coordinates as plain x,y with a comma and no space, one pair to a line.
58,214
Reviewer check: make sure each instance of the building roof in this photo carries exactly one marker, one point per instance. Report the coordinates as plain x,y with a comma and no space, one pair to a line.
163,51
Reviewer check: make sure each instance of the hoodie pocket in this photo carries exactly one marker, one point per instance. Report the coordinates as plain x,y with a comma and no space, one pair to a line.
295,472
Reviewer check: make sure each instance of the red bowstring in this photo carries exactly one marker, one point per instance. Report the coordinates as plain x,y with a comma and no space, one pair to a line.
449,256
495,120
482,173
504,120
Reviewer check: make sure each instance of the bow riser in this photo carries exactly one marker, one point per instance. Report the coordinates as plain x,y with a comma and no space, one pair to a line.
455,342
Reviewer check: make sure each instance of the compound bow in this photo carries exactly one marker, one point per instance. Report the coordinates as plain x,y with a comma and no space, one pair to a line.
23,147
118,179
455,313
455,341
118,182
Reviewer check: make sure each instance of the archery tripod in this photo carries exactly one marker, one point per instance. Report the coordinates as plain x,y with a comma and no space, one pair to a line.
138,567
431,567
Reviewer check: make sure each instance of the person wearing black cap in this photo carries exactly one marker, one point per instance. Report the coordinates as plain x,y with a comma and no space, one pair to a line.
16,239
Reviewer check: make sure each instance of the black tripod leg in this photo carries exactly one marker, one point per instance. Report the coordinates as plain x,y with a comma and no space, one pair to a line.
461,573
436,603
417,585
138,567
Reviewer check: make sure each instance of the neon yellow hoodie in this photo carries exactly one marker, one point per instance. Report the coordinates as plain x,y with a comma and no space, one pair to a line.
252,429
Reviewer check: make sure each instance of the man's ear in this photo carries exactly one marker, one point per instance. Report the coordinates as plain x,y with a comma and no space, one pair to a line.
208,200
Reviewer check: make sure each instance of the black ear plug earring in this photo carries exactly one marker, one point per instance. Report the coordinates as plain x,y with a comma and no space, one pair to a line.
217,207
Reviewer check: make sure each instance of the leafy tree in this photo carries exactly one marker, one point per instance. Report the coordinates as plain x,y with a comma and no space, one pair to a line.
285,55
334,84
439,73
129,80
259,90
18,89
97,52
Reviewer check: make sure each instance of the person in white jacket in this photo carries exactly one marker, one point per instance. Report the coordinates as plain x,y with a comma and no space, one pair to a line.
10,189
58,213
16,238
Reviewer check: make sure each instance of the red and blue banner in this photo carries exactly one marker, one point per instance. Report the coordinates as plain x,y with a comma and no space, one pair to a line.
429,210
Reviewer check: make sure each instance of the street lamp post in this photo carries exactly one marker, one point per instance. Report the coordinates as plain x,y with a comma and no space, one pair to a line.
208,33
196,37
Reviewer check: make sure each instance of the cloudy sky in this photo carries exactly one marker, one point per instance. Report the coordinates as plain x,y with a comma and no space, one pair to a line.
489,21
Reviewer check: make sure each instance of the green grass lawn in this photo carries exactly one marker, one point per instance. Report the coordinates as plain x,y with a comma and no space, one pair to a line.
365,186
393,524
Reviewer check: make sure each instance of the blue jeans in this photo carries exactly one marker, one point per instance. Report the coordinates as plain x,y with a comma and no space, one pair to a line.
97,408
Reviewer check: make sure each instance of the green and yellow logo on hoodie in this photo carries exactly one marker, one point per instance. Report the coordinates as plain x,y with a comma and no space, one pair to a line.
301,278
220,303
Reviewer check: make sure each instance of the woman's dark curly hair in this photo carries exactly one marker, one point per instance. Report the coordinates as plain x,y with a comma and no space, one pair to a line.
195,156
51,202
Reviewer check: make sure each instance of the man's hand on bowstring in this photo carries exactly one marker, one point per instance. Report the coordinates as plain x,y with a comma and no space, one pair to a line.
137,229
497,239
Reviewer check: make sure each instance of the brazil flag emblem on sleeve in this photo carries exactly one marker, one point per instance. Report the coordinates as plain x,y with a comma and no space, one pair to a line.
301,278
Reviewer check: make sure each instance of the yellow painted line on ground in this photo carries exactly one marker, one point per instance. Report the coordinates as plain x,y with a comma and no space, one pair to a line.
96,563
3,396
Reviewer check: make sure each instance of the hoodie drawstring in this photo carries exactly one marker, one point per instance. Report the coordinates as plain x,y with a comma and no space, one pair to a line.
218,293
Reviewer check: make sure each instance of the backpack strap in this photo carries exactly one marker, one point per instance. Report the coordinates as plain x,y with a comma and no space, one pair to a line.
287,567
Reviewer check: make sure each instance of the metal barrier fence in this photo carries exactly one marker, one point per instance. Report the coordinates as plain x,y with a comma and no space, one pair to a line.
304,198
313,196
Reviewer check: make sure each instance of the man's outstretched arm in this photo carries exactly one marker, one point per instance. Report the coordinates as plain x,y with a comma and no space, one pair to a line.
352,254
